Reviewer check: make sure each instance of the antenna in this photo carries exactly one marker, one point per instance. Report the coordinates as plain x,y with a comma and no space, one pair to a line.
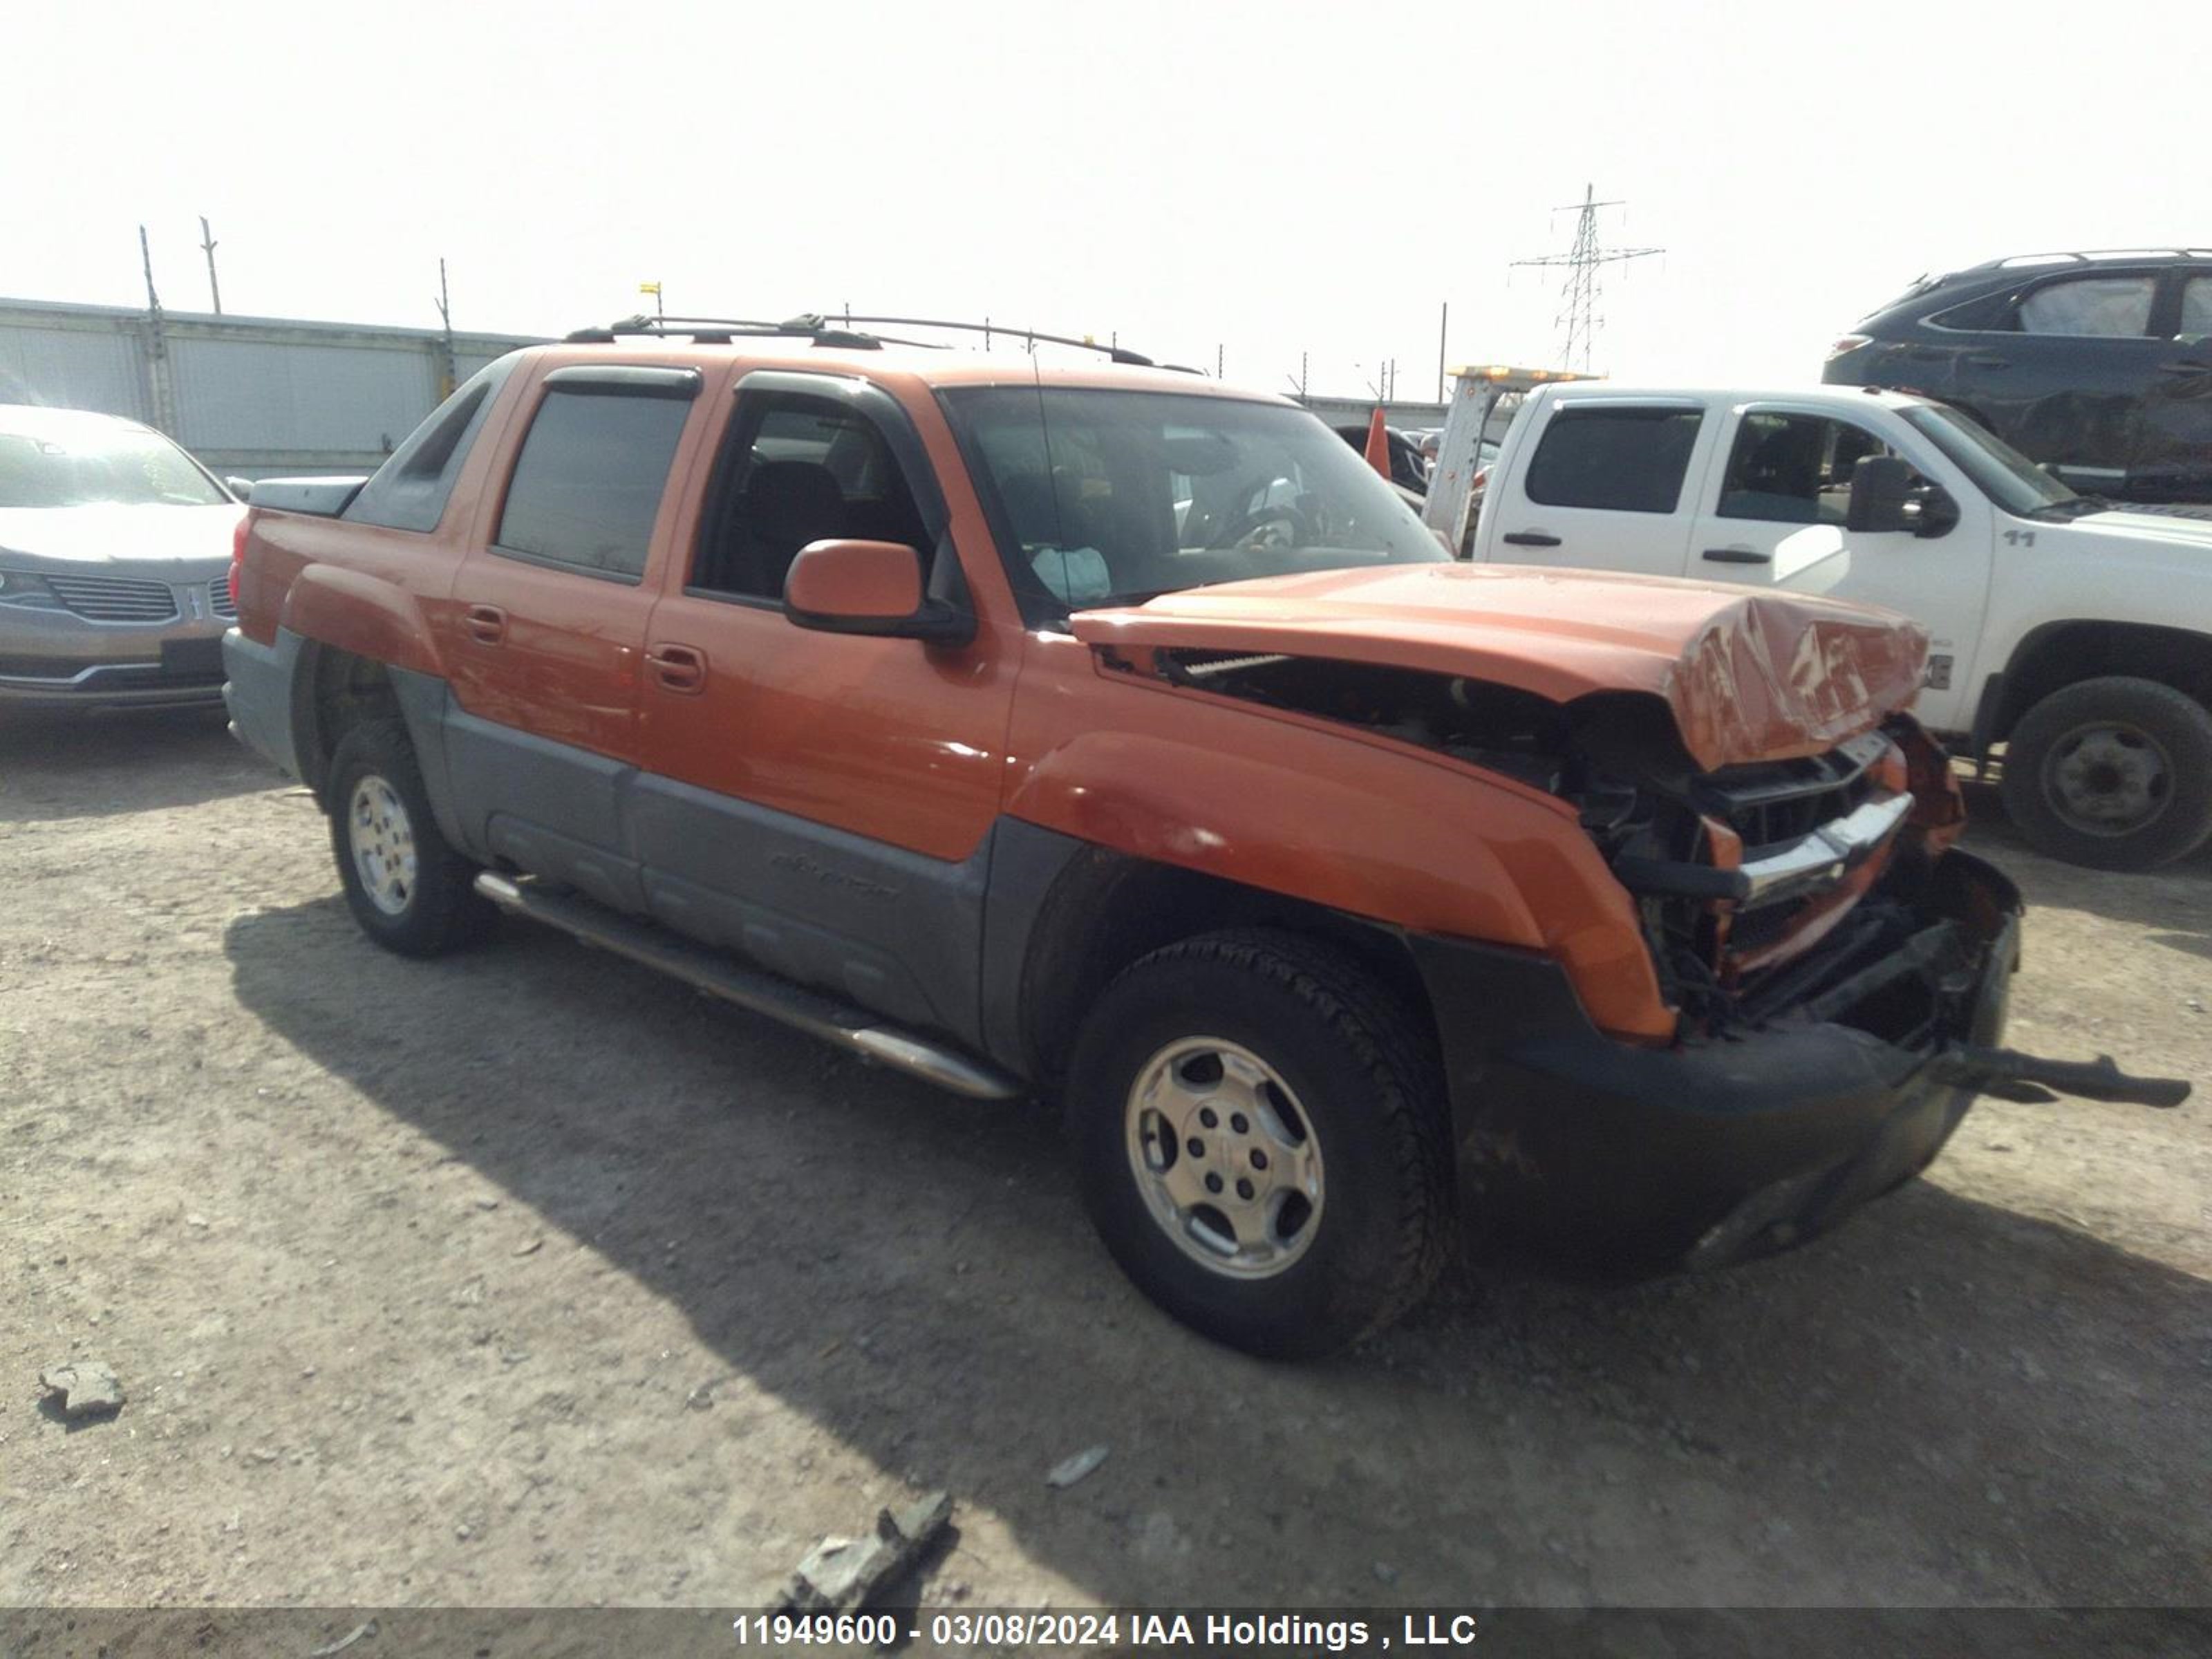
1579,320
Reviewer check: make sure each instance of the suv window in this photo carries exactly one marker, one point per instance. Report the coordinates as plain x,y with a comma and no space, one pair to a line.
590,478
1794,468
2105,305
1625,460
797,469
2197,307
411,489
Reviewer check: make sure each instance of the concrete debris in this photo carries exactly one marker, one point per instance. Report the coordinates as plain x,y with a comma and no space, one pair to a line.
1068,1471
839,1575
358,1633
88,1389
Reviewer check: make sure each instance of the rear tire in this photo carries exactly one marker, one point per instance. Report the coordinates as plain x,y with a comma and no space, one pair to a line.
406,886
2114,773
1261,1138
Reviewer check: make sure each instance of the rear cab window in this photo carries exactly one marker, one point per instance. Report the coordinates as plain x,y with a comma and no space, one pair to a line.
1627,460
593,468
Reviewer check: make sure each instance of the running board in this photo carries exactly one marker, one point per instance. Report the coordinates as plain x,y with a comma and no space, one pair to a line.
758,993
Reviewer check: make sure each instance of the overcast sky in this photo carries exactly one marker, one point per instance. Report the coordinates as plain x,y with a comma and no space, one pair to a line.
1265,179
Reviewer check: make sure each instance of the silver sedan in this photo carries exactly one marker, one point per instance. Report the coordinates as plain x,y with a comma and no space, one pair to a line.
114,563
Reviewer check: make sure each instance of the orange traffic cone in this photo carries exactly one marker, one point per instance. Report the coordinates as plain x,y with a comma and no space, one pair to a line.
1378,444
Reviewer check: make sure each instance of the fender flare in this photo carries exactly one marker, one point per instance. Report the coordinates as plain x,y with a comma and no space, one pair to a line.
352,611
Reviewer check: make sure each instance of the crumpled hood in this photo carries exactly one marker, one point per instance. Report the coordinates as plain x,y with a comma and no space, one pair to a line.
129,540
1751,675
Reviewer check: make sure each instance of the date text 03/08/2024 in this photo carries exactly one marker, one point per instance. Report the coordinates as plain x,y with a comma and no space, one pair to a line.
1213,1631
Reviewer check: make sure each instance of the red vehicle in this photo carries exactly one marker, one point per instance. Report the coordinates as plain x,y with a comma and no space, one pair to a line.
1103,735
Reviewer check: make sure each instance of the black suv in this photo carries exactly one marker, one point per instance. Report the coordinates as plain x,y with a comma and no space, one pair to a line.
2099,365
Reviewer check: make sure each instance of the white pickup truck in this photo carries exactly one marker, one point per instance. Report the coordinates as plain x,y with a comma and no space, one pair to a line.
2075,638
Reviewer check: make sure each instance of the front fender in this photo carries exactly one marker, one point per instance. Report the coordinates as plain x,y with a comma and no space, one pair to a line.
1367,828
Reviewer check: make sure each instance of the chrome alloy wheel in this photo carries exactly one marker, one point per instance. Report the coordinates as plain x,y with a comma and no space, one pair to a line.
382,839
1225,1156
2108,779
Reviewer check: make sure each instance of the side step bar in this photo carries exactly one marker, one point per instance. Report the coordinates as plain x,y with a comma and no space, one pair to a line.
759,993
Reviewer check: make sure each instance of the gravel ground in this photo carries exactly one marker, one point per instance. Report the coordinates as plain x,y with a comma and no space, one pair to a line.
529,1278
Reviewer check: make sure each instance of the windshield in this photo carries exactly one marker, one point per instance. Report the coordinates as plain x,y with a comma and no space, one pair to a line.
1112,496
86,463
2003,473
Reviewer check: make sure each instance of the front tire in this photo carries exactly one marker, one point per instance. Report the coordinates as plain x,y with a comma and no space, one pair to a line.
1261,1139
406,886
2113,773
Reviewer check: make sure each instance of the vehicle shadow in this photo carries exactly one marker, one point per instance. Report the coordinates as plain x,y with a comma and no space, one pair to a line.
75,764
2175,902
1943,1403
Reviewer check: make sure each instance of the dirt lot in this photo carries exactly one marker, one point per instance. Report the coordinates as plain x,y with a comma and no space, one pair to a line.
528,1278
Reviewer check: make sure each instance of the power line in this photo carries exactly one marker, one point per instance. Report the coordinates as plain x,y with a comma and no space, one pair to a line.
1579,320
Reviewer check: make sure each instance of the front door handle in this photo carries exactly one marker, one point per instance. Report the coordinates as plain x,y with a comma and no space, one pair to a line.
2183,365
681,668
1738,556
484,623
1530,538
1991,362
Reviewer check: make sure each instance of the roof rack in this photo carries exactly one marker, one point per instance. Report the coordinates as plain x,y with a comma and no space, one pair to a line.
823,331
987,328
2084,256
720,330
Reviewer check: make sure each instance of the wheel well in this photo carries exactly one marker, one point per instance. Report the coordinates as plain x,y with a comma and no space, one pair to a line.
1108,909
2058,655
334,691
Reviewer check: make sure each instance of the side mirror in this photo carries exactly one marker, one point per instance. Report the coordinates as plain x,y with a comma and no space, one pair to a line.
1939,512
1881,490
869,587
241,488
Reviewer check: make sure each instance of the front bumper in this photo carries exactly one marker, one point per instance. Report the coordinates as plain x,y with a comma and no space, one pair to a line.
53,657
1720,1149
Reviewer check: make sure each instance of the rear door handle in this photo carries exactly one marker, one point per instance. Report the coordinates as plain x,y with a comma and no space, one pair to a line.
484,623
1738,556
1991,362
2183,365
1530,538
681,668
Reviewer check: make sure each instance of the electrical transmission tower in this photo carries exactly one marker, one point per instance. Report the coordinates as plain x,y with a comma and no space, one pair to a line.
1578,321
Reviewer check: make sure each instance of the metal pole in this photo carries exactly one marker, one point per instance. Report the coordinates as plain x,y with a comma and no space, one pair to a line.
207,242
1218,360
1443,326
450,371
158,392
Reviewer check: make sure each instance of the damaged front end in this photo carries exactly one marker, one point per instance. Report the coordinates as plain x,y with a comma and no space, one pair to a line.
1839,970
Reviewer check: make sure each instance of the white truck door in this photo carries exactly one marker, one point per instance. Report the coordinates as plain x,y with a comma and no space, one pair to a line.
1774,515
1601,485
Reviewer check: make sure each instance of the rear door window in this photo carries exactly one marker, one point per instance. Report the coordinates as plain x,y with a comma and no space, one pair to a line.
588,483
2197,307
2107,307
1623,460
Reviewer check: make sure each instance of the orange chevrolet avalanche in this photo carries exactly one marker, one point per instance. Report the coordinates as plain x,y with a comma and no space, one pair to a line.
1110,736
